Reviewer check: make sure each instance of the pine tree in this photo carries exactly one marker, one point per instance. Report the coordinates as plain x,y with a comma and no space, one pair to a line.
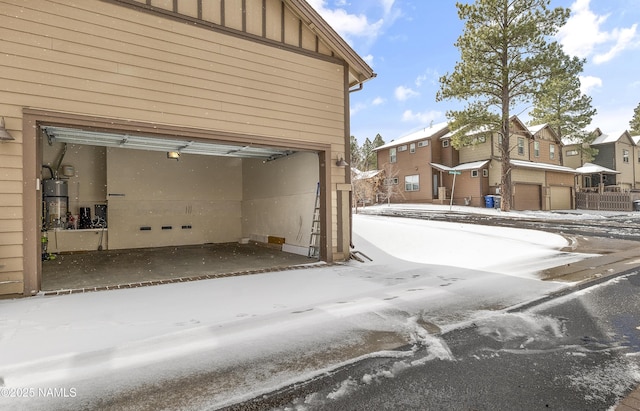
373,160
634,124
369,157
505,56
562,105
355,154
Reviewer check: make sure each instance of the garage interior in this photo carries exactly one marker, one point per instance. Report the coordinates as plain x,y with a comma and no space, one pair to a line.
119,208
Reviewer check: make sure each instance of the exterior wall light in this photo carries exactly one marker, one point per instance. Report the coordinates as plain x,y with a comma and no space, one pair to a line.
173,155
4,134
341,162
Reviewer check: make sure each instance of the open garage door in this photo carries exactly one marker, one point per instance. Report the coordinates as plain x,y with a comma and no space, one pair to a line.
154,192
560,198
527,197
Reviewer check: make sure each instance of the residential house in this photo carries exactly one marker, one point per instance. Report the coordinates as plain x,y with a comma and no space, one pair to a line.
539,180
616,151
469,174
366,186
636,160
253,99
408,162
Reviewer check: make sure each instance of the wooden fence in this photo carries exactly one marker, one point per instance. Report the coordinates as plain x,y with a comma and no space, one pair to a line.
604,201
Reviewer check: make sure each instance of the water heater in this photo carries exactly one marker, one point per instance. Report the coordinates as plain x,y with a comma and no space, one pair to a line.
55,194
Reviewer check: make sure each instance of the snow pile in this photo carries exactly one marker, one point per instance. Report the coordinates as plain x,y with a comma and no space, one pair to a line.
521,330
505,250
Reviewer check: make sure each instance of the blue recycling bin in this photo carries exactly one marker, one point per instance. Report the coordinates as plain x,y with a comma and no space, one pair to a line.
488,201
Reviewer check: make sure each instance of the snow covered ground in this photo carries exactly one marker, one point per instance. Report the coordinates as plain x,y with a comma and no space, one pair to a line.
261,332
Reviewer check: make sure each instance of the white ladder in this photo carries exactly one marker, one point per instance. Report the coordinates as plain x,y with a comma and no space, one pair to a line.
314,242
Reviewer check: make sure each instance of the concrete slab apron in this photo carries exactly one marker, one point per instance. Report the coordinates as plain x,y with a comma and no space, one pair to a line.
114,269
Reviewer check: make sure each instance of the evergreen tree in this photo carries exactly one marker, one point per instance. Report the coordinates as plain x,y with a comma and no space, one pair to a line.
505,56
356,153
373,160
369,157
562,106
635,122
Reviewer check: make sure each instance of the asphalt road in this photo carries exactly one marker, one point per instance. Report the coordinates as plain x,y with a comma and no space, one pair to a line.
578,352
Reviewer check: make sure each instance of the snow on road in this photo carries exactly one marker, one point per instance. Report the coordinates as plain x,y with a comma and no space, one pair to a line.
433,271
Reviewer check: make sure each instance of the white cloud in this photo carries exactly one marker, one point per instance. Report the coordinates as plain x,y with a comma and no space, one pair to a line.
423,118
387,5
368,59
346,24
430,76
588,83
357,108
583,36
624,38
403,93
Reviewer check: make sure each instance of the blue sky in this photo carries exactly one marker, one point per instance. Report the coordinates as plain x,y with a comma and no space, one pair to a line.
409,44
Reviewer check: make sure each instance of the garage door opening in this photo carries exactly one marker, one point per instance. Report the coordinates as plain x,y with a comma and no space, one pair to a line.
122,208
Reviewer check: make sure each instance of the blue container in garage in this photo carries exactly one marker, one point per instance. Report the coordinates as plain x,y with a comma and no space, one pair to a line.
488,201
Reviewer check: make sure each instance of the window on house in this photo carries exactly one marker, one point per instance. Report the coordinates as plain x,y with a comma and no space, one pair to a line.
536,148
402,148
485,172
423,143
391,181
445,143
520,146
412,183
392,155
575,153
552,151
474,173
412,147
625,156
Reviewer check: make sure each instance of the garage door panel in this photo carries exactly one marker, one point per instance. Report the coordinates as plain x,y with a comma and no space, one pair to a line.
527,197
560,198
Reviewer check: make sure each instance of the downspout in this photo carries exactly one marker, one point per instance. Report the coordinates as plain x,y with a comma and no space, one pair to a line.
360,87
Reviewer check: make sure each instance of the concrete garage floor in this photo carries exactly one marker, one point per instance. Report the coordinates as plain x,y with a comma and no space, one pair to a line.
112,269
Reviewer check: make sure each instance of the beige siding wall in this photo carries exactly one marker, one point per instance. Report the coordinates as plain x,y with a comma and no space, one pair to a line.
523,175
560,179
574,160
545,140
121,67
636,167
480,151
514,142
100,59
626,178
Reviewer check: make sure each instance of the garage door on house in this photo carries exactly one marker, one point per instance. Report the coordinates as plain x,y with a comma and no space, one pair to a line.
527,197
560,198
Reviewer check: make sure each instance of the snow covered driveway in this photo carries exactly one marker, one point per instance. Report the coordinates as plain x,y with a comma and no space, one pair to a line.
278,325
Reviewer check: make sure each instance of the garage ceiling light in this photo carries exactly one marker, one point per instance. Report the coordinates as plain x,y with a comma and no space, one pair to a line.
137,142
